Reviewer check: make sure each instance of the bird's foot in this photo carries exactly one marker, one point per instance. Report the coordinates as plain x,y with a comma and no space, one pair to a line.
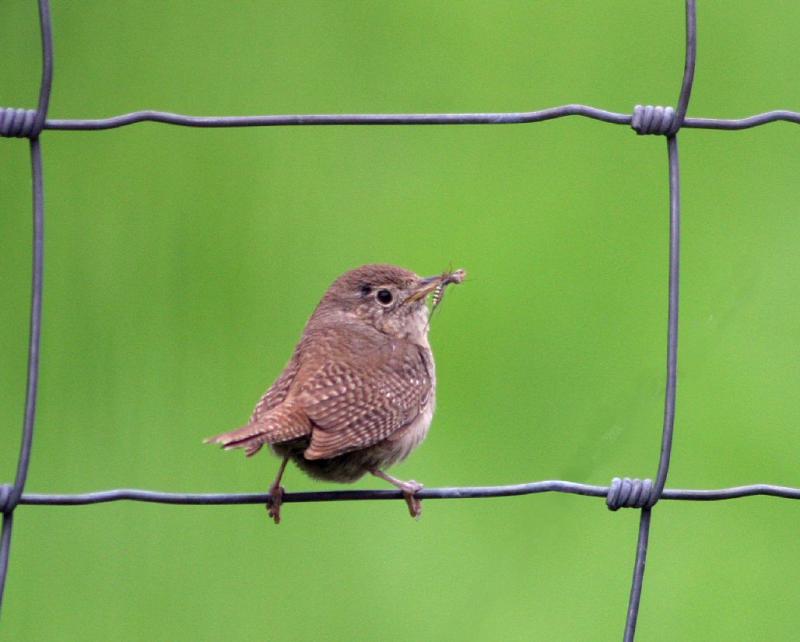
274,502
410,489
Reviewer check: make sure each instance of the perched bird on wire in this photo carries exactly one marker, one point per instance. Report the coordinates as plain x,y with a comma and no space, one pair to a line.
358,394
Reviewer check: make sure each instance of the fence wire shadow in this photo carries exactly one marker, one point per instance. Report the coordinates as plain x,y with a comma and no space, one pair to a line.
621,493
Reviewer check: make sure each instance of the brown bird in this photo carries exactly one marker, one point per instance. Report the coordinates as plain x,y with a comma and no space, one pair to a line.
358,394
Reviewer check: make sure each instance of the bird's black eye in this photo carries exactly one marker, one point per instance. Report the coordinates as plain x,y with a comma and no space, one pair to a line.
384,297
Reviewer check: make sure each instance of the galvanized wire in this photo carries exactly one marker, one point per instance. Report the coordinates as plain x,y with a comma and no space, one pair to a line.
496,118
12,495
642,494
459,492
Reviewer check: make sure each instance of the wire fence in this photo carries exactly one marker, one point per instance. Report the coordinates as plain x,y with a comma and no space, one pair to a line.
628,493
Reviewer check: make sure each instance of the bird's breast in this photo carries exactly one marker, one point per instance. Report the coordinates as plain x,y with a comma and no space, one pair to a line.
400,444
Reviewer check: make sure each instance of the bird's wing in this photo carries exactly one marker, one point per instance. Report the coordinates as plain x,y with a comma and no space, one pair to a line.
354,402
277,392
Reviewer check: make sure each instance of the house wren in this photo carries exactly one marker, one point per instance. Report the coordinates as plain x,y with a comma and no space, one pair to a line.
358,394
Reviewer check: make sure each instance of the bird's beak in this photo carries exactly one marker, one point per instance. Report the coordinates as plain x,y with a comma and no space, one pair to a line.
425,286
428,284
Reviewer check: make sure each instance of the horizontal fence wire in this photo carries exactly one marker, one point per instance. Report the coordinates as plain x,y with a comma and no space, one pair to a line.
631,493
459,492
499,118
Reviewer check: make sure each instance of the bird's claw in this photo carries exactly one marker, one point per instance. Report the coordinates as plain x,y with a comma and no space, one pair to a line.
409,490
274,503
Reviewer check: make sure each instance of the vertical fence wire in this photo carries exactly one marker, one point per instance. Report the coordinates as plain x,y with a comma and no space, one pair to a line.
670,392
12,496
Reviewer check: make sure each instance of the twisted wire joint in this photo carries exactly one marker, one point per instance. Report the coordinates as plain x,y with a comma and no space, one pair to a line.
18,123
648,119
631,493
6,491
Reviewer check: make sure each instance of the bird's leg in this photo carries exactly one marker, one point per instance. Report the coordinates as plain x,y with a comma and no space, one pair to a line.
276,493
408,488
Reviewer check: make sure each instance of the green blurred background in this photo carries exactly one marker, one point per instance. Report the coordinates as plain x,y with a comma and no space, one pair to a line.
183,263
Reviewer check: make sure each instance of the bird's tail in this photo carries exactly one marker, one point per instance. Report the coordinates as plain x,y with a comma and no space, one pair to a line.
280,424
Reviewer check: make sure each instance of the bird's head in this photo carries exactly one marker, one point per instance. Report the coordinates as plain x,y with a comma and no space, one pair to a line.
389,298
